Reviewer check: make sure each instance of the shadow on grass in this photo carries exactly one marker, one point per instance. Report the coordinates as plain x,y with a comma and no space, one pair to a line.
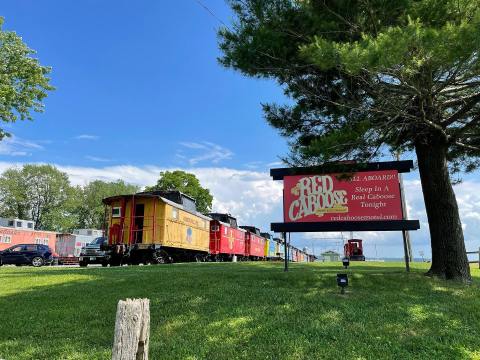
249,311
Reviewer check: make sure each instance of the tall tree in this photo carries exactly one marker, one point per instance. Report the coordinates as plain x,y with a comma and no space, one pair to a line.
186,183
366,77
40,193
91,209
23,81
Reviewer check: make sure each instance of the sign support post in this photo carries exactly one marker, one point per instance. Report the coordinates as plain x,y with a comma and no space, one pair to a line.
407,245
286,250
405,250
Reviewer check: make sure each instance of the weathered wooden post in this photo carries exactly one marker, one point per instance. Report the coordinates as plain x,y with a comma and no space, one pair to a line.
132,330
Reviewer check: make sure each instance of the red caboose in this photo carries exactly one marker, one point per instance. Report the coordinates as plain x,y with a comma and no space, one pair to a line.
226,239
254,243
353,250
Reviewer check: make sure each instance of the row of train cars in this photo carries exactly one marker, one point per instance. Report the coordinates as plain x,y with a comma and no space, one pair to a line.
165,226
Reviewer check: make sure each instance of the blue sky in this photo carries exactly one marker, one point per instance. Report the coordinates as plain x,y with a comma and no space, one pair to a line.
139,90
144,71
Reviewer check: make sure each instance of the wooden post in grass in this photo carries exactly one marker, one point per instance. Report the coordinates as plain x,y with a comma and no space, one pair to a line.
132,330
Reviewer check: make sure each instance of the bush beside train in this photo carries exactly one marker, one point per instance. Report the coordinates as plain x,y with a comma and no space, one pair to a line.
164,226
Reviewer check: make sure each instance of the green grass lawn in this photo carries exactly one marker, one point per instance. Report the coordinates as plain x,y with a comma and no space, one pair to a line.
242,310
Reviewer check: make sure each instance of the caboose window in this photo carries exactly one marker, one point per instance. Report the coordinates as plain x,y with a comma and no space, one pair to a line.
174,213
116,211
226,230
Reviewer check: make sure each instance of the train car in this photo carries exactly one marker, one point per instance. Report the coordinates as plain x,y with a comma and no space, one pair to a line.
270,246
294,254
226,239
266,238
279,248
18,231
155,227
273,251
254,243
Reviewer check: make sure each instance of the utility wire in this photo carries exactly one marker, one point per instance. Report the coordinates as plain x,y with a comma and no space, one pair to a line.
207,9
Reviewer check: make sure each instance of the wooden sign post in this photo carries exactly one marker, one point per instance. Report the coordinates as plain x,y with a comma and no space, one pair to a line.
132,330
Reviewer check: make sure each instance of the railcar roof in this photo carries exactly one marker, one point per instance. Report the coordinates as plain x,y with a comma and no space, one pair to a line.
108,200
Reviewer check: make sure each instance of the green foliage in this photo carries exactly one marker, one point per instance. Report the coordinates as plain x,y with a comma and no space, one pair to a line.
23,81
40,193
242,311
91,211
188,184
409,69
44,194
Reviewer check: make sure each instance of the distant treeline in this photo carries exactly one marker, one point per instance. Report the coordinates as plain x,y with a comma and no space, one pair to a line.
44,194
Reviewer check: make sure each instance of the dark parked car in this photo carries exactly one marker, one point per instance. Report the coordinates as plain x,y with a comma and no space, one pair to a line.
27,254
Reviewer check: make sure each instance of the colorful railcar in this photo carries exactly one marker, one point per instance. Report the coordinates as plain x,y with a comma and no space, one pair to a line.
266,246
226,239
10,236
294,255
157,227
270,246
254,243
272,249
279,248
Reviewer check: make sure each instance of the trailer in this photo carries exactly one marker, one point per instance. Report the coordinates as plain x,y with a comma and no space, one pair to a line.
69,246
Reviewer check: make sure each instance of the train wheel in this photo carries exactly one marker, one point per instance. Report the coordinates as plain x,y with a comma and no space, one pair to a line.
162,257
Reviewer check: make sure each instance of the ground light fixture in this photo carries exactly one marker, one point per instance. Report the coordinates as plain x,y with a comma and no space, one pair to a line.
346,262
342,281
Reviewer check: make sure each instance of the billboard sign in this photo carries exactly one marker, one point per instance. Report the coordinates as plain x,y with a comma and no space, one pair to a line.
365,196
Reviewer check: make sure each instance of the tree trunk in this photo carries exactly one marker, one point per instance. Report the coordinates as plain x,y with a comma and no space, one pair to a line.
449,258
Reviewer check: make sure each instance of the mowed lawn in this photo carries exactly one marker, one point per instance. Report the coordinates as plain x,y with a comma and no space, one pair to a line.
242,310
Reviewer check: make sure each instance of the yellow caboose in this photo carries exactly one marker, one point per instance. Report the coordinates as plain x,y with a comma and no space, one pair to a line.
155,227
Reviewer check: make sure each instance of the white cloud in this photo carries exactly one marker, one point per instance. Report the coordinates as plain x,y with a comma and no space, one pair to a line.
250,196
194,153
87,137
15,146
256,165
253,165
275,164
96,158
